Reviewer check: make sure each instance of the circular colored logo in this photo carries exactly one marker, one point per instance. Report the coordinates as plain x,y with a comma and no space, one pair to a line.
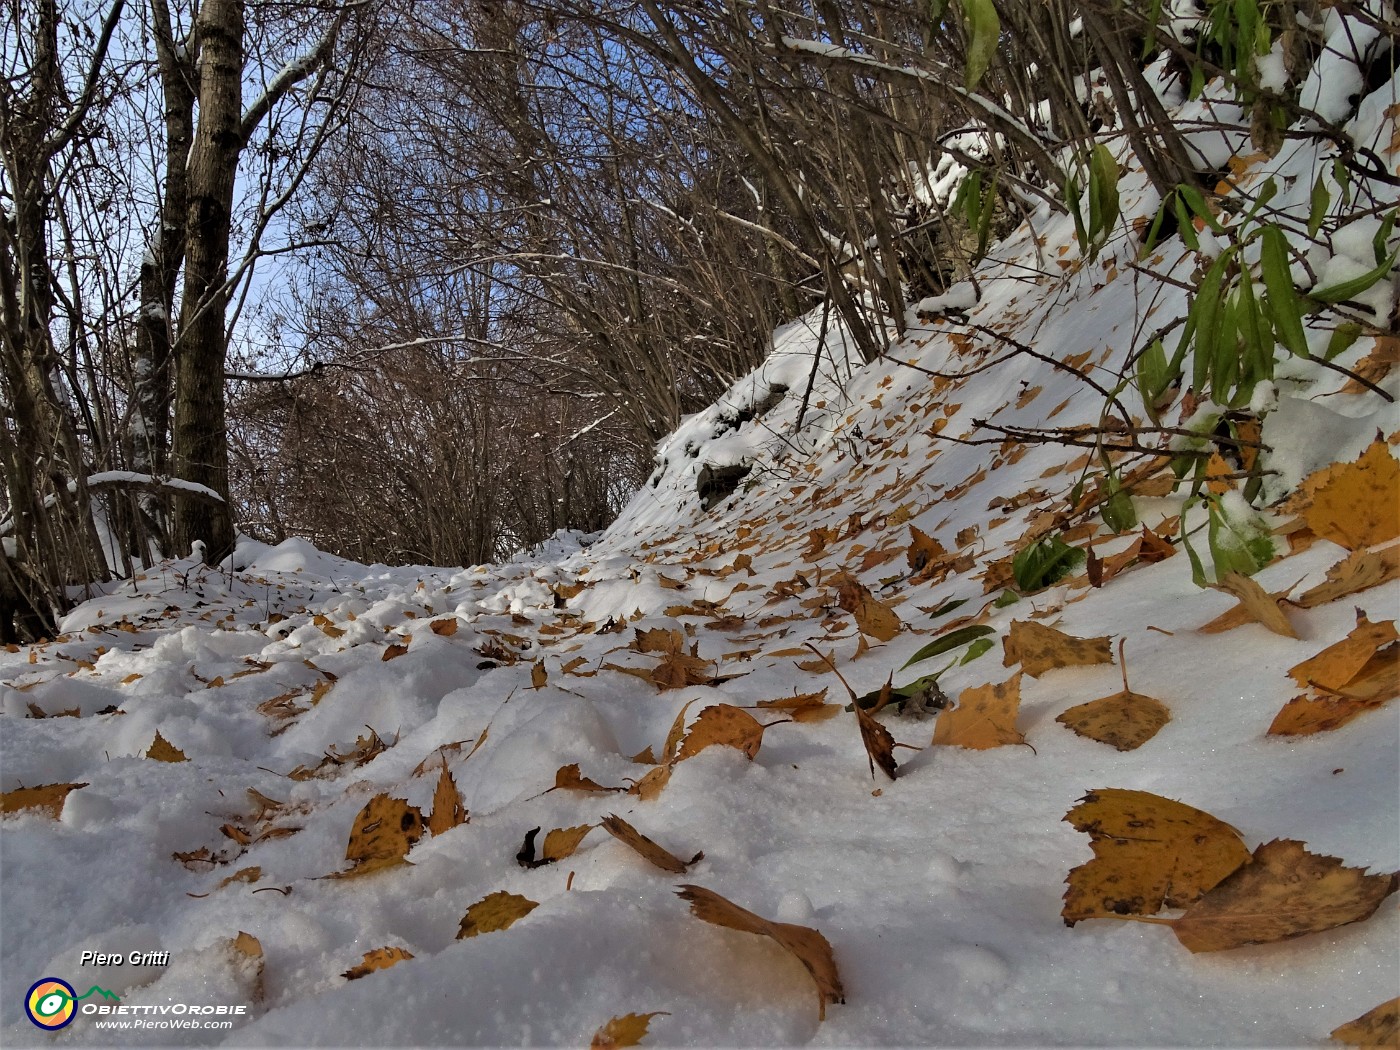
50,1003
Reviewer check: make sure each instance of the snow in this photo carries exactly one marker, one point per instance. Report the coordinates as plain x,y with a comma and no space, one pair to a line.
940,892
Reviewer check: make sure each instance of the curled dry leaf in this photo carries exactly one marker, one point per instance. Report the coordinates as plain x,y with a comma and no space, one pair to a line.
645,848
1377,682
879,744
627,1030
1284,892
448,810
1358,571
1256,605
393,652
1337,665
569,778
985,717
1353,504
651,785
1150,852
807,945
48,797
162,750
872,616
1038,649
539,677
495,911
803,707
1378,1027
248,957
726,725
378,958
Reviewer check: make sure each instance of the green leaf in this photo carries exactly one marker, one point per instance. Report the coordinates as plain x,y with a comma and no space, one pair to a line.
1342,290
1284,302
1196,201
1007,597
1236,546
1184,225
1342,337
947,642
1043,563
1118,511
947,607
975,650
1205,313
1317,207
984,32
1152,375
1103,192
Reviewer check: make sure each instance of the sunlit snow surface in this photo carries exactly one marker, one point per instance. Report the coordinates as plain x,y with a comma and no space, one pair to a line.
940,892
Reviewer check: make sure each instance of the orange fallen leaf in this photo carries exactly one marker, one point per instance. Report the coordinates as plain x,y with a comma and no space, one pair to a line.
984,717
538,675
725,725
248,956
444,628
1283,892
1358,571
1256,605
645,848
924,550
803,707
162,750
495,911
1376,683
1149,852
809,947
1038,649
562,842
448,810
383,833
1126,720
48,797
377,959
872,616
1357,505
627,1030
676,734
568,778
252,874
652,784
393,652
1376,1028
1338,664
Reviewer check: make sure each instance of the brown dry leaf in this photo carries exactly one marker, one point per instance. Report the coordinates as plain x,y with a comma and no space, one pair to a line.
645,757
48,797
924,550
1039,649
803,707
722,724
252,874
393,652
538,675
162,750
677,670
657,640
383,833
879,744
627,1030
378,959
561,842
1338,664
569,778
248,954
1375,684
495,911
444,628
676,734
984,717
1126,720
872,616
1149,852
810,947
329,629
1377,1028
1376,365
1256,605
1284,892
1356,572
448,810
652,784
645,848
1355,504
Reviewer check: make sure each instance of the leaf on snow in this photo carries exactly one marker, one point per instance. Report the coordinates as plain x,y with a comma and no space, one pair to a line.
448,810
1334,667
1126,720
645,848
1256,605
723,724
1376,683
1358,571
1377,1027
1039,649
1353,504
984,717
1283,892
495,911
383,833
48,797
162,750
562,842
809,947
377,959
627,1030
872,616
1150,852
569,778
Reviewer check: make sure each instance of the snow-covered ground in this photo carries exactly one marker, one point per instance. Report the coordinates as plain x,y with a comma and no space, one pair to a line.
298,687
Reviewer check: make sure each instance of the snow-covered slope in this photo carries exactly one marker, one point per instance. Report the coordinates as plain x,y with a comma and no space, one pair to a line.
299,687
